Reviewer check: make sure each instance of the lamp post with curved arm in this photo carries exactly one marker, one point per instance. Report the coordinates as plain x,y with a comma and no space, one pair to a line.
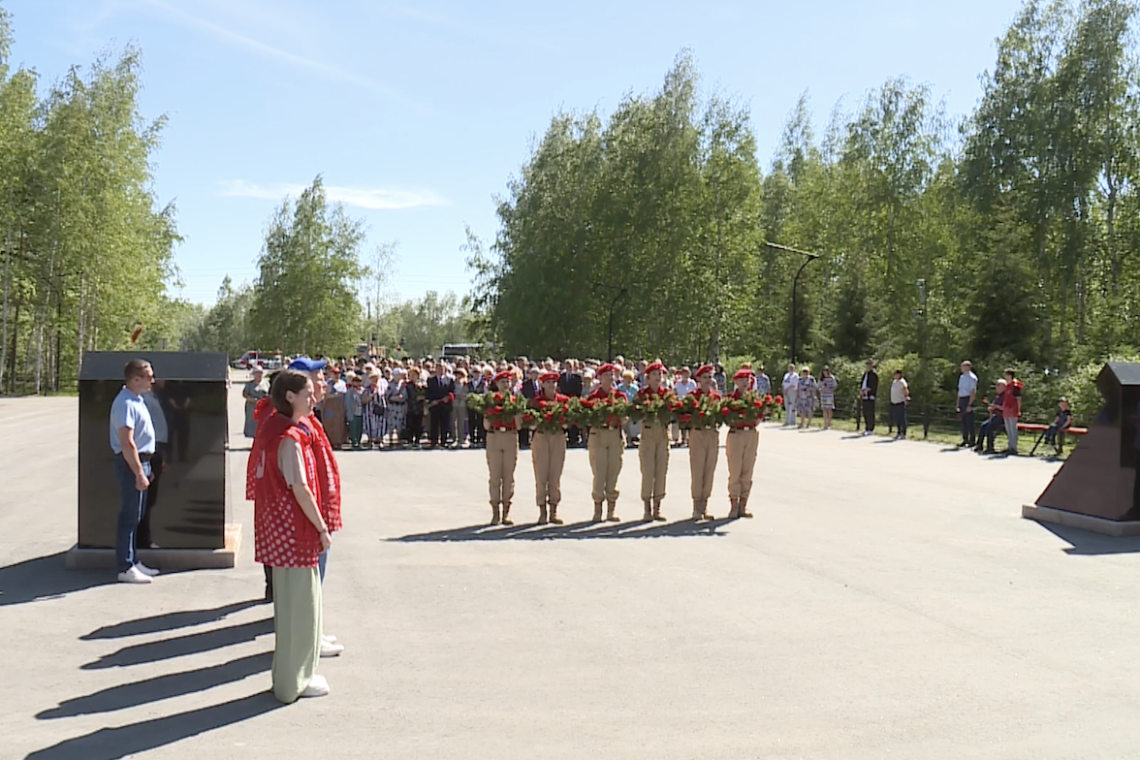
809,257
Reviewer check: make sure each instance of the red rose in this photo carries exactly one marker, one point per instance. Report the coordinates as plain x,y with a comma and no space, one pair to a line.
725,411
498,397
779,400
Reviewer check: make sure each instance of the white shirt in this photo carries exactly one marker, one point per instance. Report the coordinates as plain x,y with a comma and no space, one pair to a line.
967,384
898,391
684,387
791,384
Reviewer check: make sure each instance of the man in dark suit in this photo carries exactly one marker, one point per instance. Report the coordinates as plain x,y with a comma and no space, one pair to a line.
530,389
570,384
440,394
868,390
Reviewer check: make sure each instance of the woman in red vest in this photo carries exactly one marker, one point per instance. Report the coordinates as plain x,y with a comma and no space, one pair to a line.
289,535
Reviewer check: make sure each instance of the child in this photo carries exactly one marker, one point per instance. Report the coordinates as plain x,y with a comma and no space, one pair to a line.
1060,424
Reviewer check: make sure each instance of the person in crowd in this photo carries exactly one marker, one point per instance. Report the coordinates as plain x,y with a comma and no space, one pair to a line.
740,449
253,391
967,393
683,387
653,448
1062,421
828,384
720,378
333,413
395,407
900,397
530,388
158,463
290,533
994,422
790,386
354,410
807,395
459,408
373,400
868,390
133,444
605,446
502,453
414,424
1011,408
589,385
548,454
480,383
629,388
762,382
440,394
704,448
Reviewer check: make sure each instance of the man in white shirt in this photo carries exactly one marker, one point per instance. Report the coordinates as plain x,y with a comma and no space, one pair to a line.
133,443
790,386
967,393
900,395
682,388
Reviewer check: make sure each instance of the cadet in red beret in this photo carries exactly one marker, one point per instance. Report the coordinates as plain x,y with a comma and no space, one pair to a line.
740,450
502,453
605,447
704,447
548,454
653,450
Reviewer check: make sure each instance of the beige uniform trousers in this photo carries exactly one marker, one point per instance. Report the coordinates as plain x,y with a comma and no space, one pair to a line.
653,451
605,460
502,453
548,454
740,449
704,446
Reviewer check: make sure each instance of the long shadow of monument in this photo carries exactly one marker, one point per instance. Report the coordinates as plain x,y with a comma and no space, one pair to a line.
570,532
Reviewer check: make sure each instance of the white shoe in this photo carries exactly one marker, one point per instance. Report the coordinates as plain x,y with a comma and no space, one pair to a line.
318,687
150,571
328,649
134,575
328,638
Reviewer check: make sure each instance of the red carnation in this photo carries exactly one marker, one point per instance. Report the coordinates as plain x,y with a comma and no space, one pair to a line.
498,397
779,400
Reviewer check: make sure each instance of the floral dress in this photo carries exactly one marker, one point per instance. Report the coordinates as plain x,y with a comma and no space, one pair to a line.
805,395
374,414
827,386
396,399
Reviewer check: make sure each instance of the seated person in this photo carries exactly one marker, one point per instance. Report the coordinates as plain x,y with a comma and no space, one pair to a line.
1062,422
995,424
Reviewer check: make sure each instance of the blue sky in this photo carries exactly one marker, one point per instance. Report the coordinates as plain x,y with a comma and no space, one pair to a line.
418,113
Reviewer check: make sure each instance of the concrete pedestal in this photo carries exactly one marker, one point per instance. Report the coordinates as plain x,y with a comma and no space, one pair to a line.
80,558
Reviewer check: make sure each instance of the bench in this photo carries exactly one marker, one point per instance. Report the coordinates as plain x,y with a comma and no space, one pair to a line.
1034,427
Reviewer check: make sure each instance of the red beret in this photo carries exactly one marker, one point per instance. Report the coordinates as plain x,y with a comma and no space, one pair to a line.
706,369
744,374
504,375
607,367
655,367
548,377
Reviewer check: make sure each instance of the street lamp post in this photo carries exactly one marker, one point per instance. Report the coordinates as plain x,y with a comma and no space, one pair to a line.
621,291
809,257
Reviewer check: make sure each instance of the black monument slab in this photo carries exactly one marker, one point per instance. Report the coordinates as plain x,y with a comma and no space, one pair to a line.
189,510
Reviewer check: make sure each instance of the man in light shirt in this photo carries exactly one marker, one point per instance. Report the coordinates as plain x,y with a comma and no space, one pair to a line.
133,443
682,388
790,386
967,393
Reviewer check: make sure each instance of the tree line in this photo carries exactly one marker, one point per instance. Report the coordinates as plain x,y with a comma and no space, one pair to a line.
1006,235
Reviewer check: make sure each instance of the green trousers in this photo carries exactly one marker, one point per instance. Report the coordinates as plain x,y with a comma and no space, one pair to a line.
297,622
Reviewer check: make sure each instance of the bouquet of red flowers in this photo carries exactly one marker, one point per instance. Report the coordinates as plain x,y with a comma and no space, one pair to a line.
548,416
747,411
698,412
499,409
602,412
647,406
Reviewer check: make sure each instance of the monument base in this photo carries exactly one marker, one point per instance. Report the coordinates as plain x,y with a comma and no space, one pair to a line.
164,559
1090,523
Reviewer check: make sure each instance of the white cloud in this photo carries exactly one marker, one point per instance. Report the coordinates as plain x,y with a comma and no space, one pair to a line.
376,199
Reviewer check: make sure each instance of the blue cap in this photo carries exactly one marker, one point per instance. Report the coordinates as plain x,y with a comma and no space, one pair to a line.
305,364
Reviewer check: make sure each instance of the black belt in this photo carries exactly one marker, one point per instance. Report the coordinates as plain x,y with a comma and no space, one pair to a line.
145,457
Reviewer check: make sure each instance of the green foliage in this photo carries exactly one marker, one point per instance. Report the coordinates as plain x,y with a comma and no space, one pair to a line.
424,325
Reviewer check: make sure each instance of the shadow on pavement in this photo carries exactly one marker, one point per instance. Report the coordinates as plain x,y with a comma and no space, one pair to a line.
166,686
133,738
1082,543
170,621
572,531
179,646
47,578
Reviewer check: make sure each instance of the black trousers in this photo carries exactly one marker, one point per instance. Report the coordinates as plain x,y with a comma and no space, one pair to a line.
1134,513
475,423
968,433
869,414
142,536
439,424
524,439
414,426
573,436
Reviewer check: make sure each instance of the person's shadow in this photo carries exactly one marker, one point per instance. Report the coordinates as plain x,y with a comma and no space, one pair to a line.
571,531
46,578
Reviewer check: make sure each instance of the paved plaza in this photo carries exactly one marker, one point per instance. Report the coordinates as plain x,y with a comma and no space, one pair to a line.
887,601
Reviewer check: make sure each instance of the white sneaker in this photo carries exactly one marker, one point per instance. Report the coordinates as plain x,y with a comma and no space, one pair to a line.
328,649
318,687
134,575
328,638
146,570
